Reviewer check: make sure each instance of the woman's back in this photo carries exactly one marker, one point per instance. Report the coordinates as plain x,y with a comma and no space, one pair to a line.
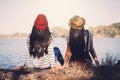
78,45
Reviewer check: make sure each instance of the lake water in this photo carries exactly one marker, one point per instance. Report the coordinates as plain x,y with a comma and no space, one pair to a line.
12,51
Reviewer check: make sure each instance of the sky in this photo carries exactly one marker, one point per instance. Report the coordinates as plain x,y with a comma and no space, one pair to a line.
19,15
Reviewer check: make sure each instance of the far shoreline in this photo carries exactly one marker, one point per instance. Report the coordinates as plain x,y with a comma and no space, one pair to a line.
59,37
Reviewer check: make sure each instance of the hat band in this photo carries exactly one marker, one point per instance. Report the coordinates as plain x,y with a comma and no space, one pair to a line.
40,27
80,27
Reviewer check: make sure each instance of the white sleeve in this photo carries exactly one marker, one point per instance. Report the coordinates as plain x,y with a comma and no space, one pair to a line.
51,53
27,60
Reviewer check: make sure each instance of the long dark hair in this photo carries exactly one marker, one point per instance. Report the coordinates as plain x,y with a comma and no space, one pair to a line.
77,43
39,42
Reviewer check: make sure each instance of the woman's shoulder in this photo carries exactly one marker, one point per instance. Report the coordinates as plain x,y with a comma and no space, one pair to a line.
87,32
51,39
28,35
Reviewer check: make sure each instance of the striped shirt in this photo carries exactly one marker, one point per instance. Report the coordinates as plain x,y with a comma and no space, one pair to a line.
48,60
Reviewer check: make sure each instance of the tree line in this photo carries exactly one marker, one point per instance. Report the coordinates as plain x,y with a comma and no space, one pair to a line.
102,31
14,35
109,31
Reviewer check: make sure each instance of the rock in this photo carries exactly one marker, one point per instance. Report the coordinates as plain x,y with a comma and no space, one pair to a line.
71,73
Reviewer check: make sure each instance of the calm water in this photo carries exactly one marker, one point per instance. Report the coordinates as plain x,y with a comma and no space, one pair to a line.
12,51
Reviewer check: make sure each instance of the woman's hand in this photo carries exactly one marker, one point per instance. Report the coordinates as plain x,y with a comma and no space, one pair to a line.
20,67
17,68
56,68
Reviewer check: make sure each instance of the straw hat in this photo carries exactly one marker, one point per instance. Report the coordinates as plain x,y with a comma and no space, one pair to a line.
76,22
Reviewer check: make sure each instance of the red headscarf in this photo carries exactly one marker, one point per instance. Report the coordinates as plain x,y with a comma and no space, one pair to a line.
41,22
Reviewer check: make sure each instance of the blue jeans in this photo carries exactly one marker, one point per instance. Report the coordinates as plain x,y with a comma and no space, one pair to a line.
58,55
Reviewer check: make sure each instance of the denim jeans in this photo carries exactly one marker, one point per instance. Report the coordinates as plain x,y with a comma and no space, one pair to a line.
58,55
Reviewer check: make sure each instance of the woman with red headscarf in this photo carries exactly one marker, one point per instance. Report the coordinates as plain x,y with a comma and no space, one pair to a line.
40,46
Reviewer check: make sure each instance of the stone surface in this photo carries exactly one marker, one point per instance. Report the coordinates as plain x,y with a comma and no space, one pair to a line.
70,73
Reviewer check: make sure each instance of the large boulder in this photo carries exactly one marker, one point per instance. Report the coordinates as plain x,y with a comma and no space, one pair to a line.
71,73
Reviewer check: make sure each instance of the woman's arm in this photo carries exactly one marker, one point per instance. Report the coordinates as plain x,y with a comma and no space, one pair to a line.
51,53
27,57
67,56
93,53
27,60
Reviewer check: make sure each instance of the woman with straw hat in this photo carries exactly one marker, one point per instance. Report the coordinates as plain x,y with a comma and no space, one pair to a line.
79,44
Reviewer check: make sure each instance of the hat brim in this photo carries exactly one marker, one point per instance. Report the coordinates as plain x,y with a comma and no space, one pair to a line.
80,27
